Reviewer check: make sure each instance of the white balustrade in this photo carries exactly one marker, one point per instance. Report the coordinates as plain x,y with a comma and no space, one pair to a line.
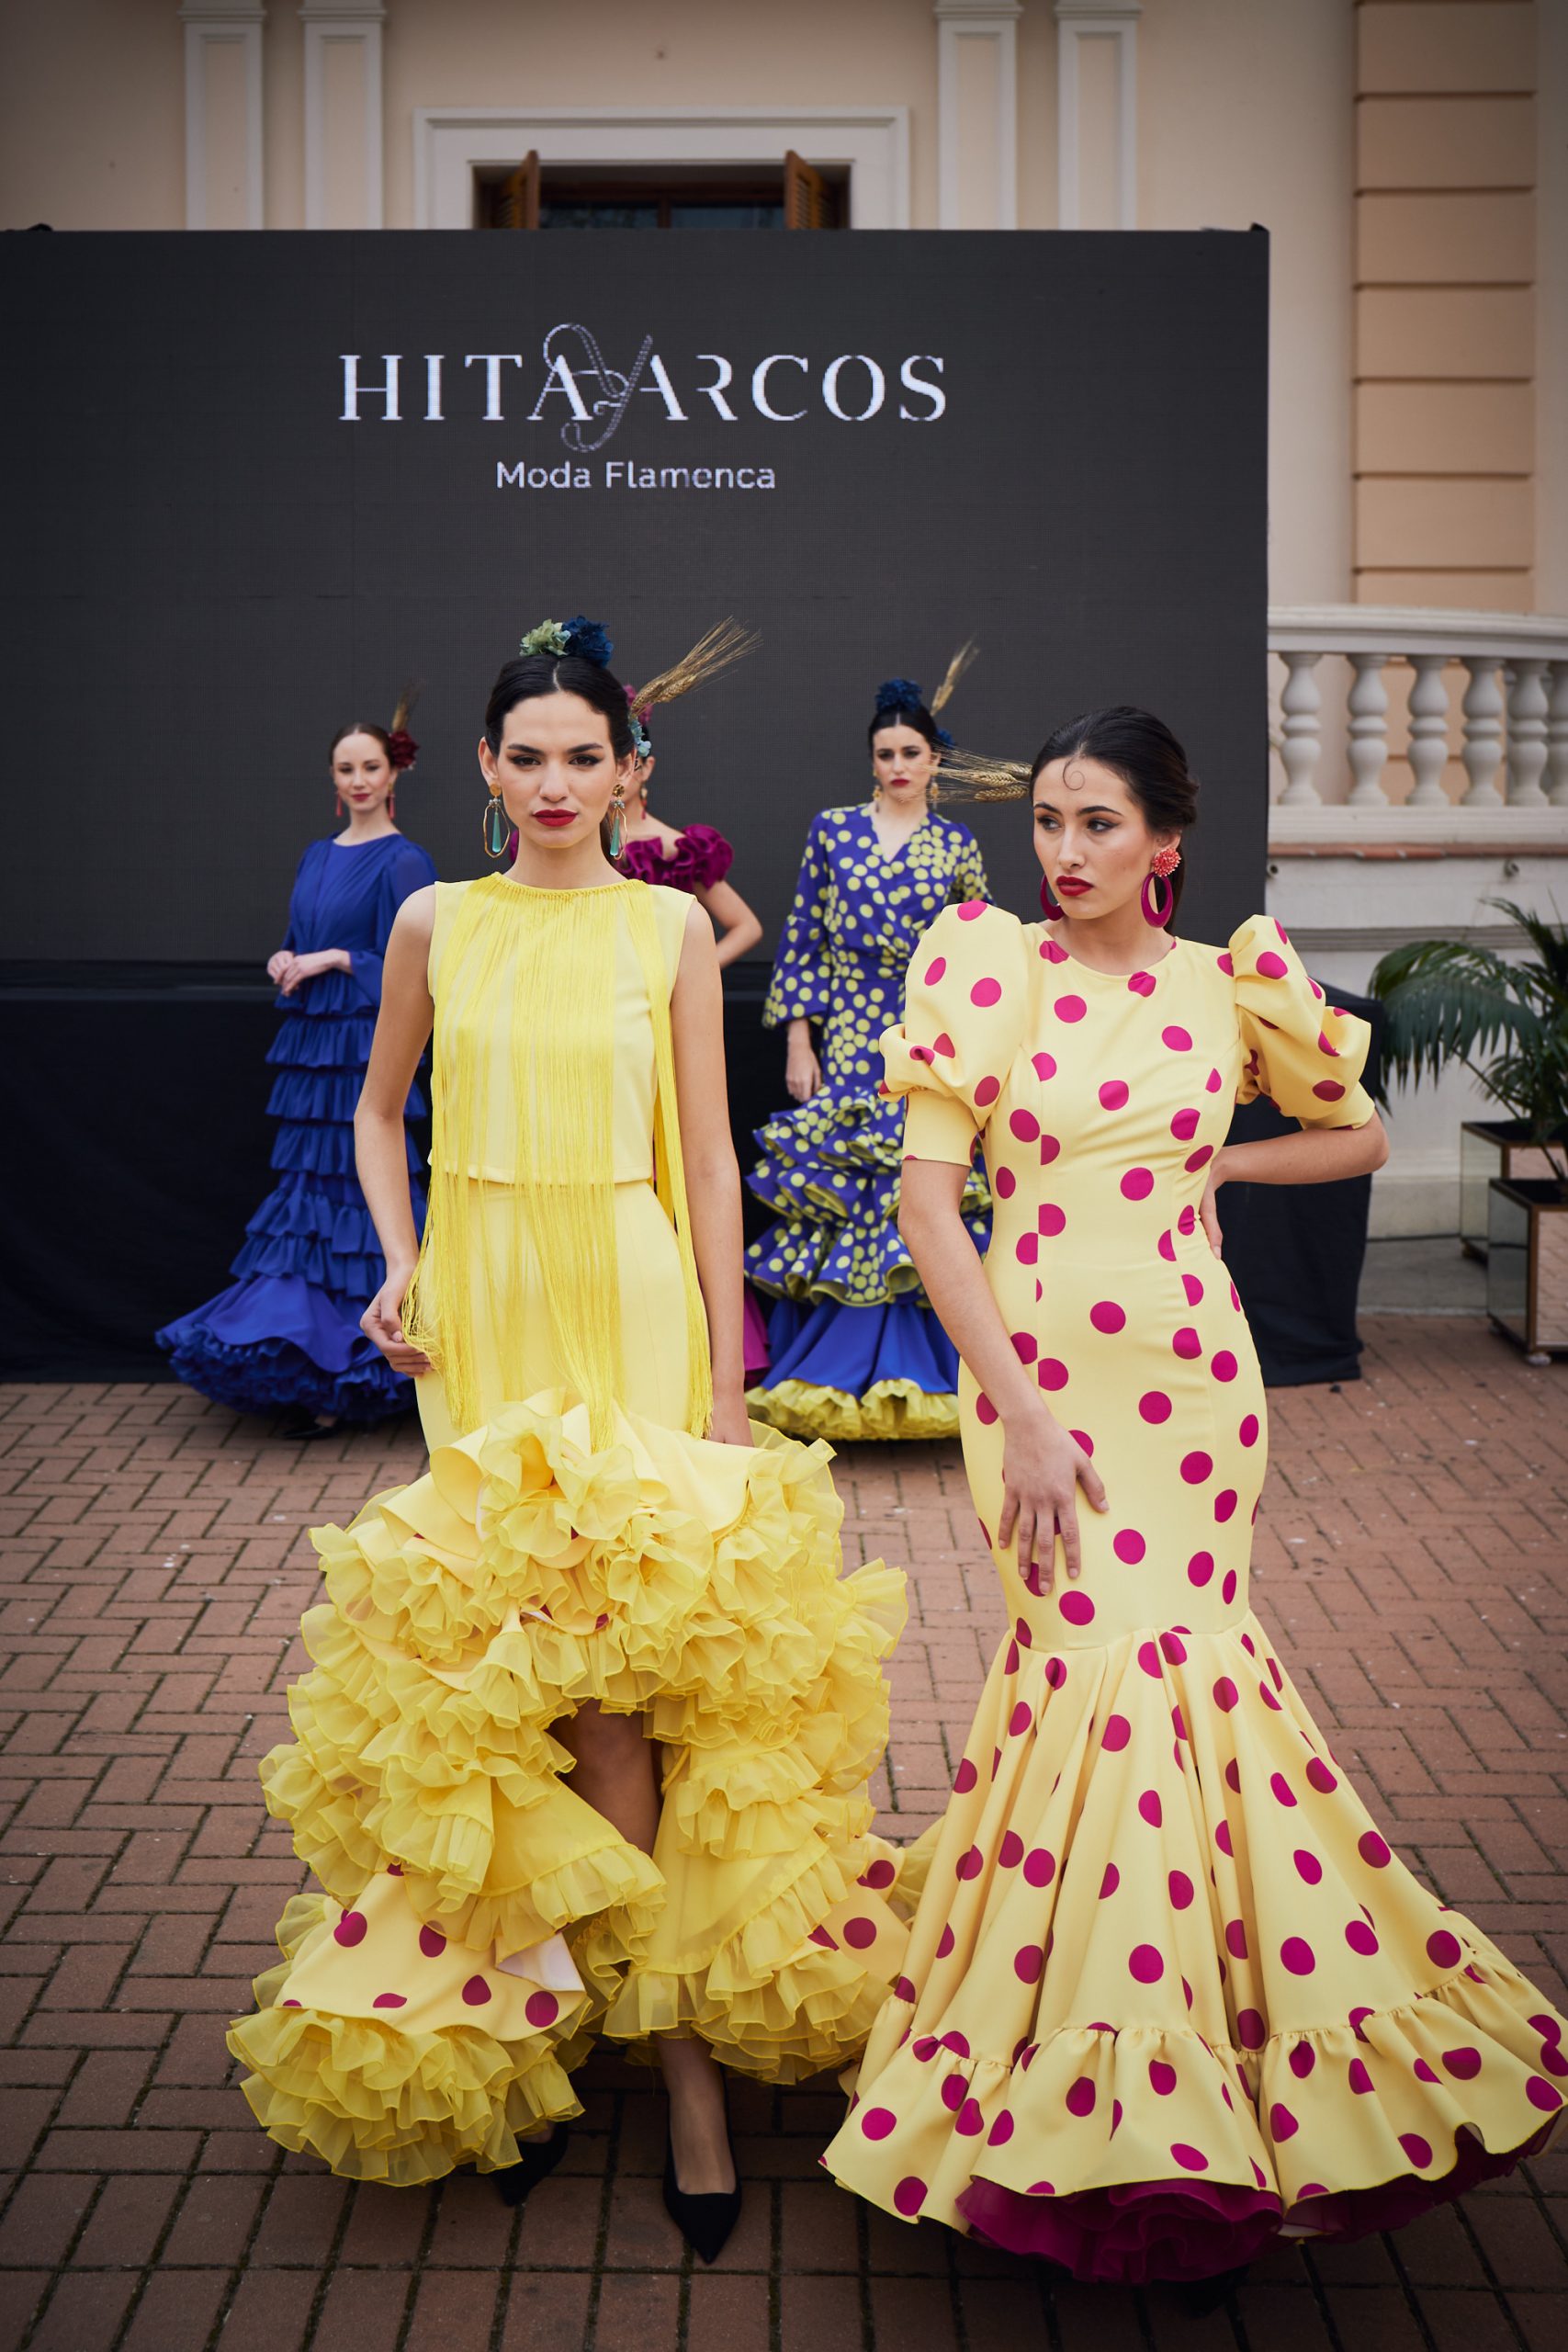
1301,742
1557,737
1509,732
1428,752
1368,730
1482,753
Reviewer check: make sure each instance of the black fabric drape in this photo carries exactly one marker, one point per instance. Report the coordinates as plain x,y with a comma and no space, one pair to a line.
140,1146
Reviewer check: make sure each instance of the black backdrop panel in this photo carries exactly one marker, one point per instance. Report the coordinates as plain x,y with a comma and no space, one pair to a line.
1055,443
208,569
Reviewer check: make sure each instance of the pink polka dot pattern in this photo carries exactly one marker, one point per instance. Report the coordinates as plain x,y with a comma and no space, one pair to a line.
878,2123
908,2196
541,2009
391,2001
350,1928
432,1942
986,1092
477,1992
935,971
1147,1713
986,993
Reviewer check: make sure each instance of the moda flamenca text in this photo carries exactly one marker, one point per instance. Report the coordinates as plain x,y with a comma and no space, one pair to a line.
615,473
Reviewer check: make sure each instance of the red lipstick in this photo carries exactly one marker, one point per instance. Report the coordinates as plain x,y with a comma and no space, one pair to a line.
1066,889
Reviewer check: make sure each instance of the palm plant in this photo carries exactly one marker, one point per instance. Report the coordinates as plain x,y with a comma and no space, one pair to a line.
1508,1023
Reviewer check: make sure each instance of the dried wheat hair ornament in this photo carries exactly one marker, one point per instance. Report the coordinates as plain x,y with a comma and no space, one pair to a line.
895,695
402,749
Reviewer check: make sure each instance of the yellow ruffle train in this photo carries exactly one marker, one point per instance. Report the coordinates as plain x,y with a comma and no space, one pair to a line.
481,1921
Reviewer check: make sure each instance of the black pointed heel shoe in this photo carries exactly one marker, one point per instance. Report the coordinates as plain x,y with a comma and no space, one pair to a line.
705,2223
539,2159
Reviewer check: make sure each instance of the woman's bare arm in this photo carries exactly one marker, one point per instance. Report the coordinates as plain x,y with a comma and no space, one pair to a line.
403,1032
1312,1156
713,1179
1043,1464
739,926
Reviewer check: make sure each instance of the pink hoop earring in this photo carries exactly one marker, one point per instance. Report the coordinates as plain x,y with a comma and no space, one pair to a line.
1157,910
1050,905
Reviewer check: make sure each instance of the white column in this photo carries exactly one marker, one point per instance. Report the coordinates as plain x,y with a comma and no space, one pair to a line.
1557,737
978,113
1301,744
223,101
1114,25
1482,752
344,164
1527,732
1429,752
1368,730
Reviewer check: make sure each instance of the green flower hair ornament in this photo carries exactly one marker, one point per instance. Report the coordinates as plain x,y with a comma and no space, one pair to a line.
550,637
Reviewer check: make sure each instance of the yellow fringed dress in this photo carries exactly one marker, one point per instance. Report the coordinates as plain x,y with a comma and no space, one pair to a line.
576,1538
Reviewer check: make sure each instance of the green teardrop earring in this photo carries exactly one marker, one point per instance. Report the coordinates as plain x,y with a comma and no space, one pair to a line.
617,825
498,827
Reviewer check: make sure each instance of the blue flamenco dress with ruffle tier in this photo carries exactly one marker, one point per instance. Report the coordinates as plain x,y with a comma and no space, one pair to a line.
857,1351
287,1331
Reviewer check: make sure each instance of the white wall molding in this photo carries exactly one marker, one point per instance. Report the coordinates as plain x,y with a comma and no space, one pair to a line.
1078,21
977,189
212,26
342,26
450,143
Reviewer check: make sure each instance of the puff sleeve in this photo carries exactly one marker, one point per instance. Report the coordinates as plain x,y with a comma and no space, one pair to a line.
1298,1049
410,868
969,876
963,1021
799,988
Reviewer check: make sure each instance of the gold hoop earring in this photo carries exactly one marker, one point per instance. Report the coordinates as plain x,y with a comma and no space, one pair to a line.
498,825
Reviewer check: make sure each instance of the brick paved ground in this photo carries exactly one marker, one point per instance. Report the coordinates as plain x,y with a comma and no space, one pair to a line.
1410,1552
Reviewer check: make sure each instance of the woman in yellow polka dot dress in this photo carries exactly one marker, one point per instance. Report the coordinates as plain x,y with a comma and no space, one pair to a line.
856,1351
1168,1992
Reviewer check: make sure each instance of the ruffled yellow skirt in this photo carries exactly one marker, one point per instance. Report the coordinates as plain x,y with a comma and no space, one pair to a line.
480,1922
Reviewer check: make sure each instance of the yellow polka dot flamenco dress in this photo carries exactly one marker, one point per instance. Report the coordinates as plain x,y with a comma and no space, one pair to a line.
575,1539
1168,1992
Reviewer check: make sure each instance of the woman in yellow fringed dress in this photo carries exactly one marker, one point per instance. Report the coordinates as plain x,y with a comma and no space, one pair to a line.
1169,1991
586,1744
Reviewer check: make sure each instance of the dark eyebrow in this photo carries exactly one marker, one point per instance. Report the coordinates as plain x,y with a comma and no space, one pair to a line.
571,748
1092,808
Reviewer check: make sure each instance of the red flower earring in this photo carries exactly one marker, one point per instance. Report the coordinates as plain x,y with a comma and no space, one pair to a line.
1157,911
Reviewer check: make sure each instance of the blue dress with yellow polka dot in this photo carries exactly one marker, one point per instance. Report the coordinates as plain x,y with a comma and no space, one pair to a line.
857,1351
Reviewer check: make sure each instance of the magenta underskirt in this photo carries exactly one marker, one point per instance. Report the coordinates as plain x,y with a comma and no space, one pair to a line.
1181,2230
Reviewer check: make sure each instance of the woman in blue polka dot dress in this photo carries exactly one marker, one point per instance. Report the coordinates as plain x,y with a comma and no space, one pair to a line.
856,1351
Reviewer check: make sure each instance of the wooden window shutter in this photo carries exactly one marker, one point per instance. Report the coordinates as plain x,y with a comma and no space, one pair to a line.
808,203
518,197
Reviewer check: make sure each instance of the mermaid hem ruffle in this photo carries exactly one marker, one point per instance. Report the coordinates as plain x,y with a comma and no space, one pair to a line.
695,1584
1109,2046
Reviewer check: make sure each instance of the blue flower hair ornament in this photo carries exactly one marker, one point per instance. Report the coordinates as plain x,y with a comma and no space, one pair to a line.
899,694
903,694
588,641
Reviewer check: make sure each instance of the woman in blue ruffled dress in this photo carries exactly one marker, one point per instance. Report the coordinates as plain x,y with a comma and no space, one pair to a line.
856,1351
286,1333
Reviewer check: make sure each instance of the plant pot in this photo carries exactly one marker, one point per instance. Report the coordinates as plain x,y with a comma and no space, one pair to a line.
1527,1263
1490,1150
